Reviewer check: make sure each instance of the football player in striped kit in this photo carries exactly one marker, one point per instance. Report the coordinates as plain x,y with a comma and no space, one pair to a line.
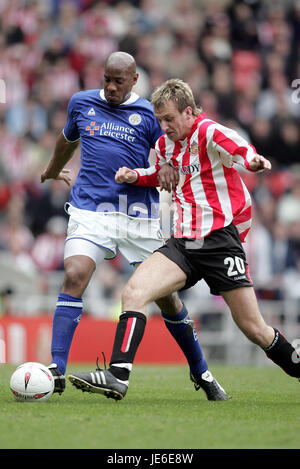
115,127
212,218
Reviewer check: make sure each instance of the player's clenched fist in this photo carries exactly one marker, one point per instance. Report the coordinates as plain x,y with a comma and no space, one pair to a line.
125,174
259,163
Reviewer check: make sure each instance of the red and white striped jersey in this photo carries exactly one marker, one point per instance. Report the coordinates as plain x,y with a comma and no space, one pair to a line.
210,194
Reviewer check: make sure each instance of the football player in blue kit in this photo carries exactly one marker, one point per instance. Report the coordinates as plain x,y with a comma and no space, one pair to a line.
115,128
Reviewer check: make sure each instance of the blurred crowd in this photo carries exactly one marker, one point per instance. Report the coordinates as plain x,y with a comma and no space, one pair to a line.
242,60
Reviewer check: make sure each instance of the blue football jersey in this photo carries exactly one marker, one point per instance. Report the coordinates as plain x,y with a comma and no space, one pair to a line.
112,137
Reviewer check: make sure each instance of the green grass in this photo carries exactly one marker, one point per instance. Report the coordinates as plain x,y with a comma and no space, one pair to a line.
161,411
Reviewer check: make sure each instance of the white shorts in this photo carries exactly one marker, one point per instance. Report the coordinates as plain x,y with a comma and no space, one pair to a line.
89,233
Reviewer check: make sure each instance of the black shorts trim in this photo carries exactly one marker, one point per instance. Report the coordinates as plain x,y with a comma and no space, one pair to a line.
219,259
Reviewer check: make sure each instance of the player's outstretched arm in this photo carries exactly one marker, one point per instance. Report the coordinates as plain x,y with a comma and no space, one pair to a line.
166,177
63,152
144,177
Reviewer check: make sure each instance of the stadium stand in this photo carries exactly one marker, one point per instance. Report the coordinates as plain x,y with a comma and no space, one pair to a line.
242,60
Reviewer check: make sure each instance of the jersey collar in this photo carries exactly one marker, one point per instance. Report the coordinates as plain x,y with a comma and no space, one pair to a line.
132,98
198,119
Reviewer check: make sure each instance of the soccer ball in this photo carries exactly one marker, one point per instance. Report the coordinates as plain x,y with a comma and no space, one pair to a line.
32,382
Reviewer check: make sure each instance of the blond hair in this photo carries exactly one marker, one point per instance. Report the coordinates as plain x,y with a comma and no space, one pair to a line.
179,92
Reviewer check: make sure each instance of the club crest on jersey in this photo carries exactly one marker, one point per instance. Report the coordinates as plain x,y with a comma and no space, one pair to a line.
194,149
135,119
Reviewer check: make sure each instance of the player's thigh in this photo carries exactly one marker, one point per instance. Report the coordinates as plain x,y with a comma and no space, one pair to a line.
170,304
155,278
139,238
83,247
90,233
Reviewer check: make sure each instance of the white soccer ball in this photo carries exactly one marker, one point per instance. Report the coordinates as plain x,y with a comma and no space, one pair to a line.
32,382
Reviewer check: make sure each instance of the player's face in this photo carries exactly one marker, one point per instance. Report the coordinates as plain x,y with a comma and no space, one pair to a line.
118,84
175,124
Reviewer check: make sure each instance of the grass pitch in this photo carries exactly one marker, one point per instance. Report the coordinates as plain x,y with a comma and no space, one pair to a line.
160,411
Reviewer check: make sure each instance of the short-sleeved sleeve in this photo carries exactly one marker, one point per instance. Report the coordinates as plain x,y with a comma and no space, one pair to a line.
70,130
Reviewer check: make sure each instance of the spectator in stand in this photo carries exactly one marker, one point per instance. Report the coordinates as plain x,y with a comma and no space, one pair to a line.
283,252
51,242
287,143
261,135
16,239
288,210
244,30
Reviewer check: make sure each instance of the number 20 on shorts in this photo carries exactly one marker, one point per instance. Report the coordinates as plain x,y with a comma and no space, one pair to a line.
235,266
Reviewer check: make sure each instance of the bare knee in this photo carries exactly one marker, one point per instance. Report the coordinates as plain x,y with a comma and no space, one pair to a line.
133,298
77,276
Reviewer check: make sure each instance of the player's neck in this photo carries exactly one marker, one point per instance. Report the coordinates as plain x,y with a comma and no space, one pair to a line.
128,96
190,127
